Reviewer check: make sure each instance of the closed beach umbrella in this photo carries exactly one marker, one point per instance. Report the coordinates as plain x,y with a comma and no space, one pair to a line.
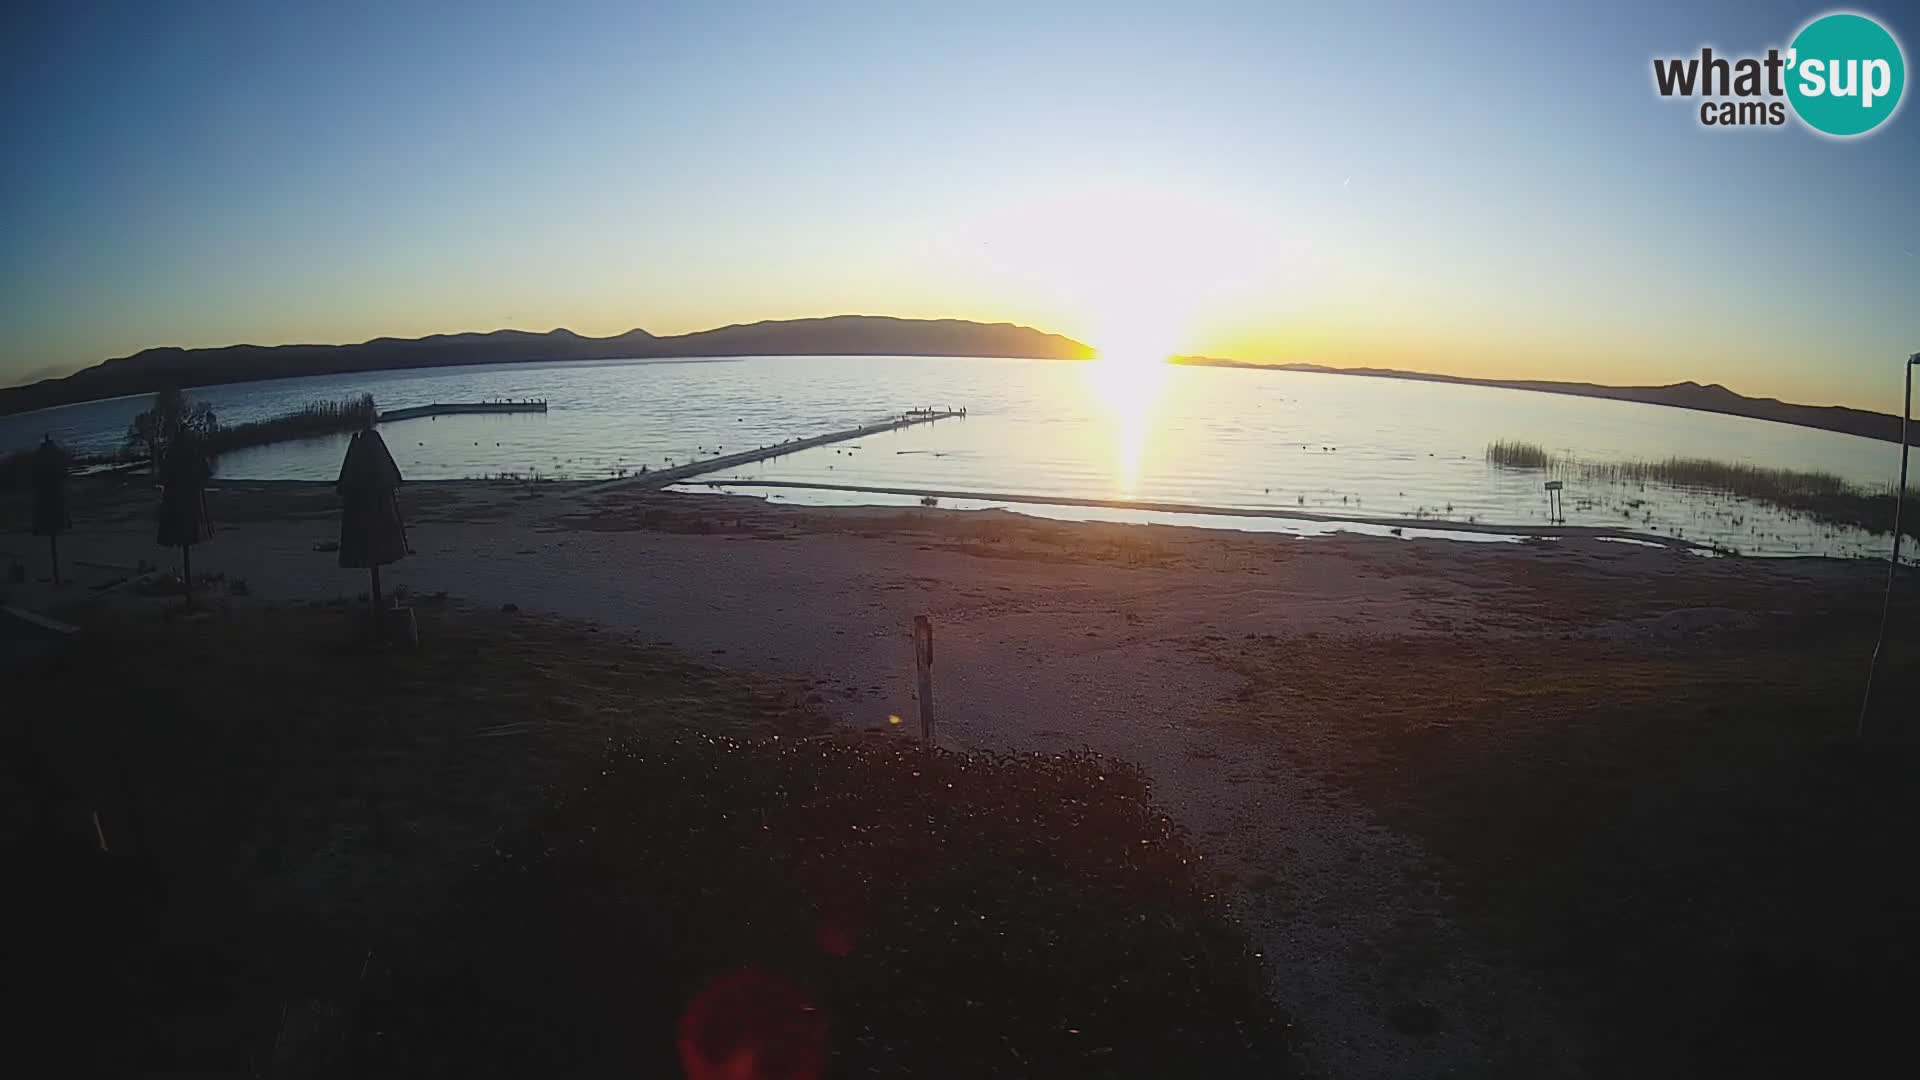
50,514
183,501
371,532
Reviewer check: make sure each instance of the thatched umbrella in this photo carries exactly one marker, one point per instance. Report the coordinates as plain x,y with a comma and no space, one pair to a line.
183,501
371,532
50,514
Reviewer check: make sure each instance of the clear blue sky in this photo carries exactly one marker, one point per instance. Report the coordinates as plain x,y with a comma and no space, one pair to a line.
1494,190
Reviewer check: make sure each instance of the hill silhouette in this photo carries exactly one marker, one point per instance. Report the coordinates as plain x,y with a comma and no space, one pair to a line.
837,335
1707,397
844,335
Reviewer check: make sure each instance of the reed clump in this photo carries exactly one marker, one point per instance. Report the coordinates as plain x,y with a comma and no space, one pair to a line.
1514,454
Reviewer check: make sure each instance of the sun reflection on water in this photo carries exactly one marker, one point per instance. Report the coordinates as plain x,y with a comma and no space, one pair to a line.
1128,387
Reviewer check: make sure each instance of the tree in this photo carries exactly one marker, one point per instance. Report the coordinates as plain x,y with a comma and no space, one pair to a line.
50,513
172,413
183,500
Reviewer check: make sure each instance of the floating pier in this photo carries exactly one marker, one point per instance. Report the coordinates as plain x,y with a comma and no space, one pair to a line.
453,407
662,477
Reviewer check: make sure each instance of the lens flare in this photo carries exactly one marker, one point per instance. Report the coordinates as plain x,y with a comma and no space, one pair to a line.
752,1025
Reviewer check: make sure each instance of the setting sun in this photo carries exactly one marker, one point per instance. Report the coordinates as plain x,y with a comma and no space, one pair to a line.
1137,337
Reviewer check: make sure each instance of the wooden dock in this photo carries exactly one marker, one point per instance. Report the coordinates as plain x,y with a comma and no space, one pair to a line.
454,407
657,478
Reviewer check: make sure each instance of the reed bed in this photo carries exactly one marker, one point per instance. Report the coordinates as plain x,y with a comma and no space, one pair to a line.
310,420
1822,496
1733,478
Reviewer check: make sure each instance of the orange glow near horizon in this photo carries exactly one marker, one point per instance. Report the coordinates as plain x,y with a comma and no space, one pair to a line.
1131,268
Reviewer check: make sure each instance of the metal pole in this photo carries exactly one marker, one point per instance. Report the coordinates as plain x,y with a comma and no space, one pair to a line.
1893,562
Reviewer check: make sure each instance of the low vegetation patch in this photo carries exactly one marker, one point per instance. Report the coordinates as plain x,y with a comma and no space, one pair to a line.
1822,496
1512,454
529,849
719,901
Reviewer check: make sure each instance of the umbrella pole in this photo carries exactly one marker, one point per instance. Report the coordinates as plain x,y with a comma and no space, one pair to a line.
53,546
374,592
186,570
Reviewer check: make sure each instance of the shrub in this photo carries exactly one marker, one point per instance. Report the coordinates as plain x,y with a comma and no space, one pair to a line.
171,415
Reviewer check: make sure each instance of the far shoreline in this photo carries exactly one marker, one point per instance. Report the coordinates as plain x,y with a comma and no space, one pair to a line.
1837,419
1712,398
836,335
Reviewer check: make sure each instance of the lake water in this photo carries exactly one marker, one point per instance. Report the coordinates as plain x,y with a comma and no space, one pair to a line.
1216,437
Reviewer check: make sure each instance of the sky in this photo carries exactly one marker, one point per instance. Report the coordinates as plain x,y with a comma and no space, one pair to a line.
1483,189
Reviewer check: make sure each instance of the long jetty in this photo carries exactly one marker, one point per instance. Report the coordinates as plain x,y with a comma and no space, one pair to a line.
657,478
452,407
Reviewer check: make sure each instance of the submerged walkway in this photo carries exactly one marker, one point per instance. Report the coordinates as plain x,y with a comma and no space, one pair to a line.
450,408
655,478
1515,531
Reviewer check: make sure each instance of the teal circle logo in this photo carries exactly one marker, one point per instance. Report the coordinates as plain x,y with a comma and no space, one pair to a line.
1845,74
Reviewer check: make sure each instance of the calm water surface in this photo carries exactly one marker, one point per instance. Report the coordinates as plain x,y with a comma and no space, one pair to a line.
1264,440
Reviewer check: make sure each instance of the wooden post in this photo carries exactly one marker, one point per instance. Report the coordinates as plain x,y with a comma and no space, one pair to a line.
923,669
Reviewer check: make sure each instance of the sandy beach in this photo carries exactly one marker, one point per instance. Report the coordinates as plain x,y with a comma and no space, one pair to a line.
1233,667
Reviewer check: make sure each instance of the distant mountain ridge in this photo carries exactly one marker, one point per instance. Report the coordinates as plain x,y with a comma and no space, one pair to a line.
847,335
1710,397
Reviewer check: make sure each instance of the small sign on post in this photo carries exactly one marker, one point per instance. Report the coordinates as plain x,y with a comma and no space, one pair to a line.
923,670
